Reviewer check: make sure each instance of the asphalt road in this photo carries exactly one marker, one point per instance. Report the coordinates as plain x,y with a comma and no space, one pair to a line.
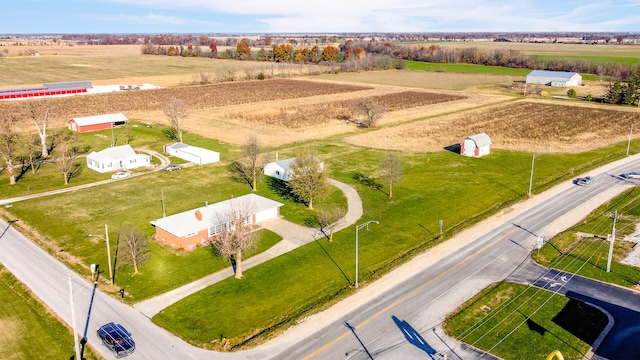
623,340
405,321
401,322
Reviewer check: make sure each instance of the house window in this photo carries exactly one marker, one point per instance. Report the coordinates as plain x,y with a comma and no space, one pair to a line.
217,229
277,172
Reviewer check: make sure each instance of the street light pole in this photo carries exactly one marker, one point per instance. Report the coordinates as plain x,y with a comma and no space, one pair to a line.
358,227
630,133
106,239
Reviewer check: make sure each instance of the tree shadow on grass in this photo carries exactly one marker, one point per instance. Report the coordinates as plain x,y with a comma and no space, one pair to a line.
368,181
282,189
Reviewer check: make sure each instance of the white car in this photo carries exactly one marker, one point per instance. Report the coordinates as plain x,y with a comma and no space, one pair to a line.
120,175
631,175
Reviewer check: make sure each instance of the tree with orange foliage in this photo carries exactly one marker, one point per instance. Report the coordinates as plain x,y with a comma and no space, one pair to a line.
330,53
243,50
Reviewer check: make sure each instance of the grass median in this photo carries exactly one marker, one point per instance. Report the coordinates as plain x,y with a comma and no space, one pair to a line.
514,321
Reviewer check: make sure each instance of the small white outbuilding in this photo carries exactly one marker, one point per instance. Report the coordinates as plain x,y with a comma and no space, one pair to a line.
282,169
476,145
193,154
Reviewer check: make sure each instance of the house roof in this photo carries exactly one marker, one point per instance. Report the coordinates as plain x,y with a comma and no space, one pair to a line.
116,152
99,119
285,164
192,149
481,139
185,223
552,74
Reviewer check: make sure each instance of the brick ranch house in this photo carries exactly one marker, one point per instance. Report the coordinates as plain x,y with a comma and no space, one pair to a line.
187,230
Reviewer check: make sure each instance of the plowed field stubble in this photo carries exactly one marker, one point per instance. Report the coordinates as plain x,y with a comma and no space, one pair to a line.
523,125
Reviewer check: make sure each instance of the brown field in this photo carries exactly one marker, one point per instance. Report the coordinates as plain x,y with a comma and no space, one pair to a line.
196,97
314,114
421,106
537,126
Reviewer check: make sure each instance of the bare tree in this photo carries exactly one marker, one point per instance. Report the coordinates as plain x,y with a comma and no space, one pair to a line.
39,112
234,234
133,248
255,162
330,219
33,151
67,153
370,109
308,178
8,144
176,111
391,167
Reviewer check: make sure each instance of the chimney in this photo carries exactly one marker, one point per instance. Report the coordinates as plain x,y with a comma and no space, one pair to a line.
276,156
198,215
206,204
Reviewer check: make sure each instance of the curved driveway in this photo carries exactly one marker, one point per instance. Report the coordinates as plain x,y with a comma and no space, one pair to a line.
326,331
293,236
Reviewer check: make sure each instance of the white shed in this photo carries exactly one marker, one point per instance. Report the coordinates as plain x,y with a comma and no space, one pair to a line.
116,158
554,78
193,154
476,145
282,169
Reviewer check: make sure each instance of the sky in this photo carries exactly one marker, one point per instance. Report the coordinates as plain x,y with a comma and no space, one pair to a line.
316,16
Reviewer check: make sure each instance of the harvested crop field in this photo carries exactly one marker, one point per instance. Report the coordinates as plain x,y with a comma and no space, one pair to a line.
300,116
523,125
196,97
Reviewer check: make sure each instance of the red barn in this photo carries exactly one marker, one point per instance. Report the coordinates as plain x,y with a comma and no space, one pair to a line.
98,122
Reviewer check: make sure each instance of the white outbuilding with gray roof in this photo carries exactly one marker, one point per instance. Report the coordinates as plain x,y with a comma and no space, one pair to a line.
554,78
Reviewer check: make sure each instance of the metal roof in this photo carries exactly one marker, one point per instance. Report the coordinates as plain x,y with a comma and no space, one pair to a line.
185,223
116,153
552,74
99,119
481,139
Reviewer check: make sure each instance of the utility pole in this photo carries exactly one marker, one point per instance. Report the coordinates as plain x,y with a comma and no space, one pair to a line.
612,239
76,346
106,233
162,201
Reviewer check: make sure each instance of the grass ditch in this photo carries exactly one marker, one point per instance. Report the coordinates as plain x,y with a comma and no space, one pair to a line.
29,330
506,316
587,242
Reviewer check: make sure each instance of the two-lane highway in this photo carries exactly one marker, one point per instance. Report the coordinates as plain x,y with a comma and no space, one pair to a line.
400,319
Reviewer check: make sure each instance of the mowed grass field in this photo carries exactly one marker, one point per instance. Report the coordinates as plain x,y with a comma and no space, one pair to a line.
321,272
27,329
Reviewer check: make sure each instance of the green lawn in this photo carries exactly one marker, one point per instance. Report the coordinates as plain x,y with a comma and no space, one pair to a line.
465,68
435,186
28,330
588,256
514,321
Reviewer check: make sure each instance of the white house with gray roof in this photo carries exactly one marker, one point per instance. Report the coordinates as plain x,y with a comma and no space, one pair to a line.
554,78
186,230
117,158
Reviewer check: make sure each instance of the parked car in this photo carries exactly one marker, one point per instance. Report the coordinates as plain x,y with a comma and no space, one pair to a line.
117,339
631,175
172,167
585,181
120,175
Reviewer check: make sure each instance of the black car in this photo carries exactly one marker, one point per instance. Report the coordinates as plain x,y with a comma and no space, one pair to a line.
117,339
